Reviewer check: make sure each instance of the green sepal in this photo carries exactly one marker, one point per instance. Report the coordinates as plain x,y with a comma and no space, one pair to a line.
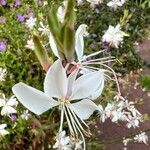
41,53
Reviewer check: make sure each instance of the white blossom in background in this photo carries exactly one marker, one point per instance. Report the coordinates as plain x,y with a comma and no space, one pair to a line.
43,29
121,111
63,142
78,145
126,141
62,11
94,2
116,3
79,2
25,115
3,131
113,35
8,105
30,23
141,138
2,74
30,44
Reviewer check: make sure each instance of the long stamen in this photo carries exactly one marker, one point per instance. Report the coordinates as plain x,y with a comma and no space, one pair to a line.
100,59
93,54
72,121
62,118
84,145
69,124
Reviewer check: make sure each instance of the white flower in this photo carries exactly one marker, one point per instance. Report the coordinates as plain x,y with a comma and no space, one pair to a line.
2,74
43,29
78,145
133,121
62,91
62,11
142,137
30,44
3,132
94,2
113,36
30,23
62,142
79,2
126,141
8,105
115,3
25,115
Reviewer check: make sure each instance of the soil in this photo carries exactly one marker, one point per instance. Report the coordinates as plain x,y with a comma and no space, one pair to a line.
131,90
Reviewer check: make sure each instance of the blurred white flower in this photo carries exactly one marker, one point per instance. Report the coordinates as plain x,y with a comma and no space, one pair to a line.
25,115
126,141
8,105
43,29
133,121
30,44
78,145
30,23
116,3
62,11
2,74
94,2
141,138
79,2
62,142
113,35
3,132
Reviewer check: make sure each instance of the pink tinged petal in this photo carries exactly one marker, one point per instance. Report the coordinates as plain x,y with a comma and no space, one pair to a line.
33,99
56,82
86,85
84,108
6,110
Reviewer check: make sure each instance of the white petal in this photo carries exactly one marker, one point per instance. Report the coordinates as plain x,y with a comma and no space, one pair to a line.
3,132
2,102
86,85
55,84
53,45
84,108
33,99
12,101
79,41
98,92
71,80
2,126
6,110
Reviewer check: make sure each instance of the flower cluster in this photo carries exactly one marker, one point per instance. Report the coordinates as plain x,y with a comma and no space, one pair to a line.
121,111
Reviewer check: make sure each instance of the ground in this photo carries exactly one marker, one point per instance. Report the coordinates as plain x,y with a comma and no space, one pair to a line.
132,91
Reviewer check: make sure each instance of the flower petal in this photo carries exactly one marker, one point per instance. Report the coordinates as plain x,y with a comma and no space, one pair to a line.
98,92
79,41
33,99
6,110
71,80
53,45
84,108
86,85
56,82
2,126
